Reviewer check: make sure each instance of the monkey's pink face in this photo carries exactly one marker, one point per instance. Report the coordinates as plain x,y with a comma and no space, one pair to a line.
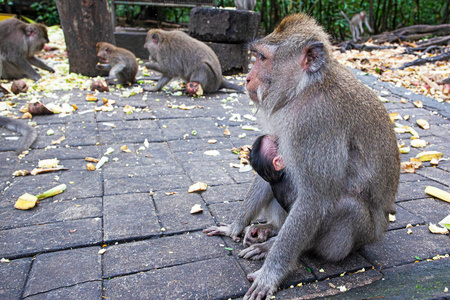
259,77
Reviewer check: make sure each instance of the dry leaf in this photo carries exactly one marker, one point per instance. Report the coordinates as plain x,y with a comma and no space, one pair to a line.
90,167
416,162
26,201
429,155
91,159
21,173
197,208
46,170
91,97
423,124
418,104
438,193
197,187
437,229
407,167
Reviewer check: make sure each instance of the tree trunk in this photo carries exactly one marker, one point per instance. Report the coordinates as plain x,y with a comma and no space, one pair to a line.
85,23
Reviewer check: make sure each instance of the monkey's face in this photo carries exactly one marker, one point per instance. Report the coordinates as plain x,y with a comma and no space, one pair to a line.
103,52
258,80
152,43
37,38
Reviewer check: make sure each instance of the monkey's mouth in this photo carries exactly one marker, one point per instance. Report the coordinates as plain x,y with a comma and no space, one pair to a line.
253,96
103,60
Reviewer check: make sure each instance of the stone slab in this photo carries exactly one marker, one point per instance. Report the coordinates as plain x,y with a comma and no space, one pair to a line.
27,241
63,269
218,278
13,276
430,210
225,193
159,253
129,216
87,291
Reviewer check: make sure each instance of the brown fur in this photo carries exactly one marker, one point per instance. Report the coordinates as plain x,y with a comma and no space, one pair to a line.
121,63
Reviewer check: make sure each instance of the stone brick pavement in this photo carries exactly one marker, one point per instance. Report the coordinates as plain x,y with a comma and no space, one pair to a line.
154,246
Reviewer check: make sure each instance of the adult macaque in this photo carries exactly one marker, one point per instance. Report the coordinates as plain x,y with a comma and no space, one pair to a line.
28,132
176,54
245,4
19,43
356,21
338,148
119,62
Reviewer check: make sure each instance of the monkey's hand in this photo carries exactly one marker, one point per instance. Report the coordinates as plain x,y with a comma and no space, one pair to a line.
259,233
257,251
223,229
263,286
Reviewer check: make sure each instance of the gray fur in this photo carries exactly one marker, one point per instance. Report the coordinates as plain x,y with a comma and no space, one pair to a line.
119,62
339,150
18,45
28,132
176,54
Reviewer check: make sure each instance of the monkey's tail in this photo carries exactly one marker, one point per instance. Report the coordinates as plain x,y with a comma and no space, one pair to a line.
345,16
28,132
228,85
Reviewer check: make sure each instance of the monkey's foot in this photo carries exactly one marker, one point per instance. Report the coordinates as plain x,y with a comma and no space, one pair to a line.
259,289
222,229
259,233
257,251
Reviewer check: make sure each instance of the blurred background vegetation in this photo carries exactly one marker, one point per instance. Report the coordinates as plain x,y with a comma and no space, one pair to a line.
384,15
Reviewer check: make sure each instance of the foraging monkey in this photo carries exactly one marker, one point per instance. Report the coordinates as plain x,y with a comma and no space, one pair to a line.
19,43
245,4
356,21
28,132
119,62
338,147
176,54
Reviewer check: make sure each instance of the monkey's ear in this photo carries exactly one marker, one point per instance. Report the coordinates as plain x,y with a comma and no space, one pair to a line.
155,38
30,31
278,163
313,57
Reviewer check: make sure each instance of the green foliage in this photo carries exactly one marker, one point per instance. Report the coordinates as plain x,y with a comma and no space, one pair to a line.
47,12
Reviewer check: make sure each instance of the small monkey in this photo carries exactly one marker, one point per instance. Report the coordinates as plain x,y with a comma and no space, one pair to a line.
19,43
356,21
119,62
338,149
176,54
245,4
28,132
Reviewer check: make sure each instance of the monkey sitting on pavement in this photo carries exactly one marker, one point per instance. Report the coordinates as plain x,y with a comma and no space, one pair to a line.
338,148
119,62
176,54
28,132
19,43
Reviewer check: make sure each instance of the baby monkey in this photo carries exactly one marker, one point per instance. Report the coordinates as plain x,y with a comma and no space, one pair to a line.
265,161
120,63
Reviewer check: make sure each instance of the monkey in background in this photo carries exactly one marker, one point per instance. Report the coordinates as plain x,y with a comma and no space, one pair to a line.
338,148
28,132
18,44
245,4
119,62
356,21
176,54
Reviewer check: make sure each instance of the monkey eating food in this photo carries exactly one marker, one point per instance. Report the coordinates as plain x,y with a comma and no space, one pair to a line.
19,43
28,132
176,54
119,62
338,149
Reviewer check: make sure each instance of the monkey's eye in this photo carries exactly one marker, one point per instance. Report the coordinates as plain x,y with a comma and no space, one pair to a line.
261,56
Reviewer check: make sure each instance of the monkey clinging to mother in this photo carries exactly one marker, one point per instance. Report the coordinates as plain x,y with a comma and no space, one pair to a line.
339,156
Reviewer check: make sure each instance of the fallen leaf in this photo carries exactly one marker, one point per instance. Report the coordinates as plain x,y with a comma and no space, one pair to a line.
91,159
423,124
197,208
197,187
90,167
407,167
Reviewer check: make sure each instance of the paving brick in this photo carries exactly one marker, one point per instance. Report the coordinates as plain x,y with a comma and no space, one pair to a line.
129,216
87,291
12,277
436,174
51,212
223,193
63,269
209,172
399,248
174,212
159,253
143,184
430,210
219,278
175,129
30,240
404,217
414,190
225,212
194,144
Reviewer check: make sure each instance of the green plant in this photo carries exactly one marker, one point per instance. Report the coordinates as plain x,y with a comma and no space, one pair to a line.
47,12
